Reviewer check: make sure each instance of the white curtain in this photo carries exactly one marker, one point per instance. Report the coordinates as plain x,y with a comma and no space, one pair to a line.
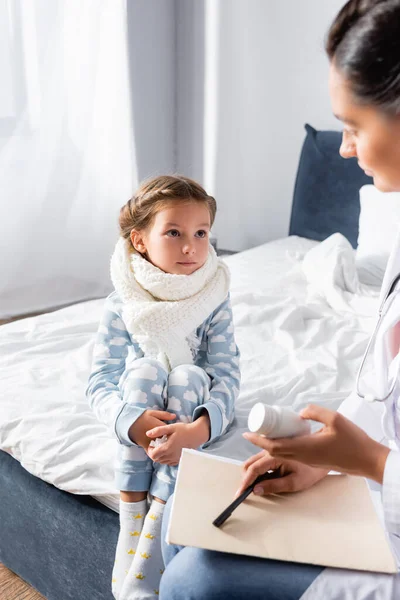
67,158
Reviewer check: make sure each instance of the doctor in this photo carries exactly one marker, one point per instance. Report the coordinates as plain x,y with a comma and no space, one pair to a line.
363,438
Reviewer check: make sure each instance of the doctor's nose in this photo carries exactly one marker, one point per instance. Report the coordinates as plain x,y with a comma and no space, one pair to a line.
347,148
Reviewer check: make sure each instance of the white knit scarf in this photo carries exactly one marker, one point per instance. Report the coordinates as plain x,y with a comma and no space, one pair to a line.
163,310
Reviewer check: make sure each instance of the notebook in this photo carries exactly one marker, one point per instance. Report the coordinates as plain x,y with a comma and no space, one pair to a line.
333,524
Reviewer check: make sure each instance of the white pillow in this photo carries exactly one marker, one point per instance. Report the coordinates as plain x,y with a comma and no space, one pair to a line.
378,228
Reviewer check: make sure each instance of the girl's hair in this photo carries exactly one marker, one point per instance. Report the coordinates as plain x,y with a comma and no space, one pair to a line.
364,43
157,193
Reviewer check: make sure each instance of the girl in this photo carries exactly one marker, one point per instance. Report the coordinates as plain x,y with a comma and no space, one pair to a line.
165,371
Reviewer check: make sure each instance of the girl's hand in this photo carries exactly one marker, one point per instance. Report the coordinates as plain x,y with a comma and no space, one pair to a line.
340,445
295,476
147,420
180,435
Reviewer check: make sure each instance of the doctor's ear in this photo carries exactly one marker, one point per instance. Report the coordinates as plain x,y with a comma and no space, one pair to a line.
138,241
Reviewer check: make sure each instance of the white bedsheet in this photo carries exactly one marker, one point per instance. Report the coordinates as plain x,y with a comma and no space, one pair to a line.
295,347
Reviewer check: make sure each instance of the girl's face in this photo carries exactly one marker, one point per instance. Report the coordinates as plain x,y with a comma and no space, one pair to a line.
177,241
368,134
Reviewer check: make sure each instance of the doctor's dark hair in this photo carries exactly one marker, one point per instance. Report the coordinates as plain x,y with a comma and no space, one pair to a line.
364,44
156,194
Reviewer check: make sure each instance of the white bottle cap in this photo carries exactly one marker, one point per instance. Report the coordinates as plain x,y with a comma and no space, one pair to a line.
262,418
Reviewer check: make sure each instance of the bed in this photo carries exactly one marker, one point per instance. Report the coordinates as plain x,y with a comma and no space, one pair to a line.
58,506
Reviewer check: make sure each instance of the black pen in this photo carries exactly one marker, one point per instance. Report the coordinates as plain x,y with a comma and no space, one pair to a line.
229,510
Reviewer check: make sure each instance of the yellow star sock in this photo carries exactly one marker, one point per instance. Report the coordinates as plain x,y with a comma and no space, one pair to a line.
131,519
143,579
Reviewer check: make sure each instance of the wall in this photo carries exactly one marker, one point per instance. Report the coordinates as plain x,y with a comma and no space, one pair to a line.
152,56
269,76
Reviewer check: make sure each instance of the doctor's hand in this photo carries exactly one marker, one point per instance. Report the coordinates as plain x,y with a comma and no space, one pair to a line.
295,475
340,445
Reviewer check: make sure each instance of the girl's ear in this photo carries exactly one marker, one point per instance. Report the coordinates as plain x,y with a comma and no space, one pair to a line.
138,241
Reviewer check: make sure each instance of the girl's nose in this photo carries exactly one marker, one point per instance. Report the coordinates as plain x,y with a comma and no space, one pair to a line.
188,248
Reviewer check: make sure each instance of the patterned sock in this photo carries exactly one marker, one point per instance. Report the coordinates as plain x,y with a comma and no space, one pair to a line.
143,579
131,519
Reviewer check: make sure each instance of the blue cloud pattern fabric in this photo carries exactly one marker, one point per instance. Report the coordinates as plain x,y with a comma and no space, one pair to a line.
124,383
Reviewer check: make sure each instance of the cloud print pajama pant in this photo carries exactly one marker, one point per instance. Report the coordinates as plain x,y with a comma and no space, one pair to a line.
146,384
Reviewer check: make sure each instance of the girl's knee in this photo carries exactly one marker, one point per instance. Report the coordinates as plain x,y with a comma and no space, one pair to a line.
189,375
148,368
144,381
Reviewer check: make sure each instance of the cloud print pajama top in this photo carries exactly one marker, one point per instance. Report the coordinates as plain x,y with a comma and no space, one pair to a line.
124,383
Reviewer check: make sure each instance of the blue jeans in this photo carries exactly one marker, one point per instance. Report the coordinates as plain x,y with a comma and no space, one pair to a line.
196,574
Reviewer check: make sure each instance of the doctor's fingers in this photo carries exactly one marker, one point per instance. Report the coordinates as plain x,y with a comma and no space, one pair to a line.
259,467
321,414
260,441
281,485
255,458
315,449
288,448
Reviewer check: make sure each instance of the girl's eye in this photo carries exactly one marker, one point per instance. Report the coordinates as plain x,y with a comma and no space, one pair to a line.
201,233
173,233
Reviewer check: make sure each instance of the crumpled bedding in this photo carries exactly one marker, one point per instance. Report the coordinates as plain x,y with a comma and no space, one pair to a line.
330,269
298,345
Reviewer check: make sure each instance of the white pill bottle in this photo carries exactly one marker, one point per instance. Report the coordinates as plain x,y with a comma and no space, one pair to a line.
276,421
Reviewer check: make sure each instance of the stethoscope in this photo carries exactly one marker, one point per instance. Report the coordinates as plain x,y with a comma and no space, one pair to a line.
383,309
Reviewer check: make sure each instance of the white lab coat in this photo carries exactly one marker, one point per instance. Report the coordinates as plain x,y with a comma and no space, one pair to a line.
378,420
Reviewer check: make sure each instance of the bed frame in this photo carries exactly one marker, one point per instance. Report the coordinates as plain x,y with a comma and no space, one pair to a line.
60,543
63,544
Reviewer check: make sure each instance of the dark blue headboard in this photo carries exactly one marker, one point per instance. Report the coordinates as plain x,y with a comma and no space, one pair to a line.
326,194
